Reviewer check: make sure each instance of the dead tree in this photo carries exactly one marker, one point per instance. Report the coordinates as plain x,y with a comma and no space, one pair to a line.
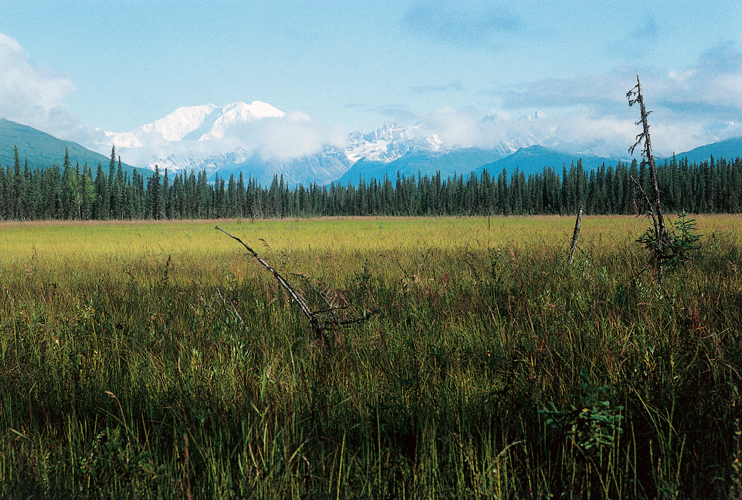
661,238
320,320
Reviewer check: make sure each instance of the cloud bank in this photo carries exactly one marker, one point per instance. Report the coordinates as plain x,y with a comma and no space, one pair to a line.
691,107
32,94
293,135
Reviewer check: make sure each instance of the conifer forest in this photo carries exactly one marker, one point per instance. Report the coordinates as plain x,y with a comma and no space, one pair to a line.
74,192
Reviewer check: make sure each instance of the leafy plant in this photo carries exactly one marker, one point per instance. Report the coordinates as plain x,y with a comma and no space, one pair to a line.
591,422
114,454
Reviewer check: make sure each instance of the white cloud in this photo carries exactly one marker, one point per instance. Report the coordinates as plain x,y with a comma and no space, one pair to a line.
292,136
32,95
691,106
569,129
455,128
287,137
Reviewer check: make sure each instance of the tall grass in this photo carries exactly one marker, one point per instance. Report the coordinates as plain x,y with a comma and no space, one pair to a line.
156,360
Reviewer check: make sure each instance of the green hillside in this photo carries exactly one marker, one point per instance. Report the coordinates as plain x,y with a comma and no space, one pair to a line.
43,150
452,163
730,150
533,159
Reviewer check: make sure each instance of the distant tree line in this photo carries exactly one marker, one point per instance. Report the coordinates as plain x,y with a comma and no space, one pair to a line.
82,193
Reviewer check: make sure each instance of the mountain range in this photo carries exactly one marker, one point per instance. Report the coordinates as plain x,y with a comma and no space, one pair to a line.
232,139
252,138
43,150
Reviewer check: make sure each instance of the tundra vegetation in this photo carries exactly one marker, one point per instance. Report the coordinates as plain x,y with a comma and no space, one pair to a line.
159,360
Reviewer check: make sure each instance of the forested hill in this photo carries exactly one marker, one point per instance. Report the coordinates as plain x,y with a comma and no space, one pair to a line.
730,148
67,193
43,150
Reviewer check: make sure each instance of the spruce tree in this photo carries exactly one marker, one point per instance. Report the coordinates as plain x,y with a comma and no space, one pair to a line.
17,212
4,195
101,205
154,196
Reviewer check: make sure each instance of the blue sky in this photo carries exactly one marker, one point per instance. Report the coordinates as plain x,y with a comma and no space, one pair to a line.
467,71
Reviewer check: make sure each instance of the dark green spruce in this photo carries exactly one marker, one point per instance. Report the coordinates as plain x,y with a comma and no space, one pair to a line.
88,193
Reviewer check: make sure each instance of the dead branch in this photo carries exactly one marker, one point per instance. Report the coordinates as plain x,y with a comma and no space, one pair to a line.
650,206
301,301
320,319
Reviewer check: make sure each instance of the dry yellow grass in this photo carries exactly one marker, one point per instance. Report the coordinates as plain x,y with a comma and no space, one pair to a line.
75,241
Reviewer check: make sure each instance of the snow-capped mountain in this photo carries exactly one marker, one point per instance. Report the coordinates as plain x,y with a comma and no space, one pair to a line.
261,141
238,136
184,161
388,143
195,123
322,167
232,138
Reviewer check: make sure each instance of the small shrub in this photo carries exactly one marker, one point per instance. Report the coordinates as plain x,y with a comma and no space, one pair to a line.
591,422
683,240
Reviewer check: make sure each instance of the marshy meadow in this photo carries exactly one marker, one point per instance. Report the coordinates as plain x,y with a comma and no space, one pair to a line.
161,360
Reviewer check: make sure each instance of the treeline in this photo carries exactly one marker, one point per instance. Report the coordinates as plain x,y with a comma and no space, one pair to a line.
81,193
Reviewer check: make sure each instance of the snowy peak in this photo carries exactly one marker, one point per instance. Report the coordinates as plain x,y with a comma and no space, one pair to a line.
196,123
209,122
385,144
179,123
536,115
388,132
237,113
390,142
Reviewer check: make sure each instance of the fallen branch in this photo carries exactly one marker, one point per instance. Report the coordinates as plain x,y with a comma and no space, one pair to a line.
318,319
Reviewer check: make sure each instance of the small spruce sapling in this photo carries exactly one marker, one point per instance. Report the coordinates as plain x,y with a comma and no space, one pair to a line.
682,241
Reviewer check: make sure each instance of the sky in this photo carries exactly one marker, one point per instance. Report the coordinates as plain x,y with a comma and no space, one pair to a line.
471,72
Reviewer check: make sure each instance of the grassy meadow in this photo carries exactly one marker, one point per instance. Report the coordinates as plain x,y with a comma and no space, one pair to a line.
157,360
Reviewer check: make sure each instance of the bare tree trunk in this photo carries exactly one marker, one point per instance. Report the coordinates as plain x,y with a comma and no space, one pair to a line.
661,233
575,234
